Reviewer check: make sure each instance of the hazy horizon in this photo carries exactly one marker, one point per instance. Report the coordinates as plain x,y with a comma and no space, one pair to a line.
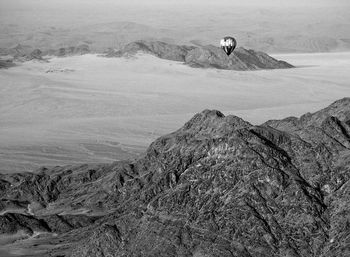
271,26
254,3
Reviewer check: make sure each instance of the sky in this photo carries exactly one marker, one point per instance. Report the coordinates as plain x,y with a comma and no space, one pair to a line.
314,22
252,3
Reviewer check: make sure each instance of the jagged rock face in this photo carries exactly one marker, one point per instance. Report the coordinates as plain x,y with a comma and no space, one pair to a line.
14,222
105,241
86,187
204,57
218,186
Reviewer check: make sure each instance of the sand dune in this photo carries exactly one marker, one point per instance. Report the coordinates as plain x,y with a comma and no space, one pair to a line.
106,109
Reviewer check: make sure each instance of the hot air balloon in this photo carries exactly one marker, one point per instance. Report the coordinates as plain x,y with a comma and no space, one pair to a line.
228,44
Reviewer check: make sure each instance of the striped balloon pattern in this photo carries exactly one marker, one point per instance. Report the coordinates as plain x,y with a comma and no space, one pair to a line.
228,44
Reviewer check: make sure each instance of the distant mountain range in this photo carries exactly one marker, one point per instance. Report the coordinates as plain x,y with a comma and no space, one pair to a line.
25,52
269,30
218,186
194,56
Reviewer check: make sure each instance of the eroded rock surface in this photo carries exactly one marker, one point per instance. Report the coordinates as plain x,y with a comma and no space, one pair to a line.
218,186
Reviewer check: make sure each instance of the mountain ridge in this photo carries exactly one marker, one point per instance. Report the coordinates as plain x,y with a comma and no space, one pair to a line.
202,56
194,56
218,186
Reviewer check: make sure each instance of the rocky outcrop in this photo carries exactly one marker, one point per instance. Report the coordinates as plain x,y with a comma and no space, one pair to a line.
218,186
68,51
11,223
4,64
17,51
104,241
203,56
66,188
159,49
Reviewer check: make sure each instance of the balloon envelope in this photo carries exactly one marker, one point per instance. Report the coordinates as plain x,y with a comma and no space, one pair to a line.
228,44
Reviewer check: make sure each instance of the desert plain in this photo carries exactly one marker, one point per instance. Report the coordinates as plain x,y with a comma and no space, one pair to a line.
86,109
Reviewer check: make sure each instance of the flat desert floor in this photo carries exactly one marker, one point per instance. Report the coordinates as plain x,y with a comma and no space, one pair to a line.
85,109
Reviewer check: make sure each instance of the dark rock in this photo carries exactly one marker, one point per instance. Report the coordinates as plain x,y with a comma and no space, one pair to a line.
218,186
11,223
4,64
36,54
104,241
69,51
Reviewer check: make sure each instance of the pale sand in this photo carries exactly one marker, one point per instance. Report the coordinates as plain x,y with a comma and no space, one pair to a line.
104,109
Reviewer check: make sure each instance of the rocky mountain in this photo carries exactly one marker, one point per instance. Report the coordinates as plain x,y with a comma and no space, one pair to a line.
203,56
195,56
160,49
218,186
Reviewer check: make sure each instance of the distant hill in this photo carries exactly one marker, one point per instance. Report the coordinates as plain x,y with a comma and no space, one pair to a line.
26,52
203,56
6,64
